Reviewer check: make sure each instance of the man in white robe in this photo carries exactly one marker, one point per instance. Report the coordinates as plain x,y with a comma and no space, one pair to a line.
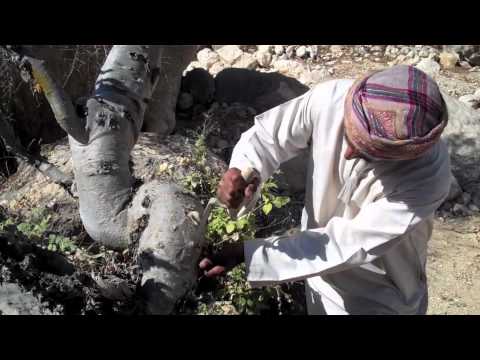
377,171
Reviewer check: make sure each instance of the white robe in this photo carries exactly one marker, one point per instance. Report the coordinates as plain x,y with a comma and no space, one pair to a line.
365,226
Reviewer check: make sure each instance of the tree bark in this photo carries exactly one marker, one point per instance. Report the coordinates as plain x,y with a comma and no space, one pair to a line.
112,211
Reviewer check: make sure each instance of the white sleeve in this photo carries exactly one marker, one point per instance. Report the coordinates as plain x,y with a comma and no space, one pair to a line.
277,136
340,245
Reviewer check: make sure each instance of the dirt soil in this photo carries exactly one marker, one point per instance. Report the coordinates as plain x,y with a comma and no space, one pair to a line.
453,267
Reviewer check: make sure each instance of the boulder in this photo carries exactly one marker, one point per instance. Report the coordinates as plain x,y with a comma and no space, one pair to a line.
462,135
207,57
429,66
448,60
246,61
230,53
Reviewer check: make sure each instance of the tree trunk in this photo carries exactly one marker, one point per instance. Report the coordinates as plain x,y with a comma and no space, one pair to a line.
159,214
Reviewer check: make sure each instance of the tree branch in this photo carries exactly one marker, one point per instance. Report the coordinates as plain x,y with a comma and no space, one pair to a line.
14,147
35,70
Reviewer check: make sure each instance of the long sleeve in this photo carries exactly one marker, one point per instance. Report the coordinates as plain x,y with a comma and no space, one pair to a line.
277,136
341,244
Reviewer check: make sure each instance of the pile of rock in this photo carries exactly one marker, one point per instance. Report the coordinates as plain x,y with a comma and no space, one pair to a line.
472,100
462,205
300,61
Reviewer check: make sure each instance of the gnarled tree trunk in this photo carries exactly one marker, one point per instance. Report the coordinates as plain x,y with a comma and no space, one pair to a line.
112,210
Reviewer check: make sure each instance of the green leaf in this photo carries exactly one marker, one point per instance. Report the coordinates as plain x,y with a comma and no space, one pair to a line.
280,201
267,208
230,228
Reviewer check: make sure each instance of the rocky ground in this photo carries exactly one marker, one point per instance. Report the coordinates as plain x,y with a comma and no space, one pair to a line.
222,91
454,255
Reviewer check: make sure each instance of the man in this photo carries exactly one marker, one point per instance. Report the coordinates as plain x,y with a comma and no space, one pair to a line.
377,172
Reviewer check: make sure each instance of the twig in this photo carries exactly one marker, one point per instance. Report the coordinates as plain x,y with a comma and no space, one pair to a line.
72,68
34,70
13,146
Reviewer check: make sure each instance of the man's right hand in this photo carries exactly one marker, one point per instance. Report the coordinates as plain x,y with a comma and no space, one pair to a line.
233,189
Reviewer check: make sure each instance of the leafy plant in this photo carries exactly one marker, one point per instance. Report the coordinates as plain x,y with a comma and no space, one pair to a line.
61,243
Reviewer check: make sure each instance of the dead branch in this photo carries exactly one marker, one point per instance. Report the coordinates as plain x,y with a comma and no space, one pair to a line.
13,146
35,72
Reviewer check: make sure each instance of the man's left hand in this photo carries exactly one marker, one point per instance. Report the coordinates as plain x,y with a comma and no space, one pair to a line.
223,261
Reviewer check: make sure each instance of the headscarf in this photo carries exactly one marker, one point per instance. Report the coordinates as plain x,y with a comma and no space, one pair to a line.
395,114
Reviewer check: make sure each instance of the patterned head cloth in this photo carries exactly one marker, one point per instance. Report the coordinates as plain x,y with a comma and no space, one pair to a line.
394,114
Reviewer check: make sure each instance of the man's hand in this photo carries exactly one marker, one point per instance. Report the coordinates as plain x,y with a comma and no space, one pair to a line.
233,189
225,260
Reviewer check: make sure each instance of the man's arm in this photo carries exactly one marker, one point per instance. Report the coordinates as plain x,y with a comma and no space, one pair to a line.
277,136
340,245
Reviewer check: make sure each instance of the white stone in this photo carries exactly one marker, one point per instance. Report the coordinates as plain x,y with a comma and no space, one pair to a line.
246,61
216,68
313,50
301,51
264,48
470,100
423,53
206,57
429,66
473,207
476,94
288,67
264,58
278,49
448,60
336,49
230,53
289,51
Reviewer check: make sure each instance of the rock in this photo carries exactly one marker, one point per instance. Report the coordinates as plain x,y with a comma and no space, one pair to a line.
447,206
288,67
230,53
207,57
200,84
263,58
465,198
185,101
217,47
336,50
264,48
470,100
448,60
476,94
289,51
430,67
473,208
377,48
313,50
455,189
462,137
216,68
314,77
424,53
246,61
464,51
465,65
474,60
279,49
476,199
460,209
301,51
261,91
16,301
